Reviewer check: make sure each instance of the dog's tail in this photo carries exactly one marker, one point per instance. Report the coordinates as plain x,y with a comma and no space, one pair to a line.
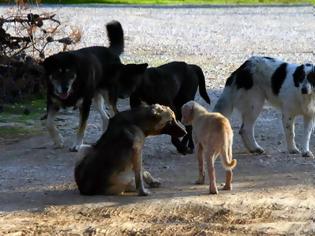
227,157
202,83
115,36
225,103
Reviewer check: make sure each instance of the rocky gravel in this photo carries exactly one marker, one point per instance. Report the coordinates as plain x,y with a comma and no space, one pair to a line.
273,193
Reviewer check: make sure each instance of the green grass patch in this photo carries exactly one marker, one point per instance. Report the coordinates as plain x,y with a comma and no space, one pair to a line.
17,132
15,122
167,2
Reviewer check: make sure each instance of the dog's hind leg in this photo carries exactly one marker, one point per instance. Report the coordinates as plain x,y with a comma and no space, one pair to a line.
308,128
288,127
84,114
211,156
201,168
53,132
100,106
250,109
227,154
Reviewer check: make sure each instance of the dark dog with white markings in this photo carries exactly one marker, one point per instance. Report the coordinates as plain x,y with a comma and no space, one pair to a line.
76,78
172,85
109,166
289,87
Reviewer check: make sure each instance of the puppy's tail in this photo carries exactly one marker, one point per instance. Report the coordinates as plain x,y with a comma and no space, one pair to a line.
227,157
225,103
115,36
202,83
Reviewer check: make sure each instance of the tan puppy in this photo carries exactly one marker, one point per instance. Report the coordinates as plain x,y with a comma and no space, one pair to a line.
213,136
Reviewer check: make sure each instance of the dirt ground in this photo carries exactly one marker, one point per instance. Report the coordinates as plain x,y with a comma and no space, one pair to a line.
273,194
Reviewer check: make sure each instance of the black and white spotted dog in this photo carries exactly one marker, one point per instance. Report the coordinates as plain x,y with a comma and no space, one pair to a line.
289,87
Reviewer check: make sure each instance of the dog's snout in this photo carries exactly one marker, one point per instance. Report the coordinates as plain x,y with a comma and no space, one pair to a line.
174,128
304,90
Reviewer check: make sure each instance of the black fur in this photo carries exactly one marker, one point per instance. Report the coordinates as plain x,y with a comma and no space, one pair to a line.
311,77
270,58
116,37
229,81
298,75
278,78
243,76
97,69
173,85
114,151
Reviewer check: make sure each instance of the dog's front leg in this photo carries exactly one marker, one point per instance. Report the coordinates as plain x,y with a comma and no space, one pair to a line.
199,153
84,114
53,132
99,101
137,167
308,127
288,127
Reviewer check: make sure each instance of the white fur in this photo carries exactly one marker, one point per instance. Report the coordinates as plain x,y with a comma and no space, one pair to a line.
290,101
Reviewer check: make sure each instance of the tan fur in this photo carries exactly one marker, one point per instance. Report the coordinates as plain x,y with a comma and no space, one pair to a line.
213,137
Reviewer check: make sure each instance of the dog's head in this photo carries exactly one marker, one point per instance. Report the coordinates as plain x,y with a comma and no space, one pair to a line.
164,121
129,78
304,78
187,112
61,73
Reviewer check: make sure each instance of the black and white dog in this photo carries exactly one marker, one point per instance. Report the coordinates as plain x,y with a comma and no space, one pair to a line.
76,78
289,87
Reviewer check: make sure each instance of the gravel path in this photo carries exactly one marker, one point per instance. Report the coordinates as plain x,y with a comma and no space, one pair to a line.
273,194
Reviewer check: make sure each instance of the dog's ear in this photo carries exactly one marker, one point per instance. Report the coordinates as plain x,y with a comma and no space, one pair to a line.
155,112
187,112
298,75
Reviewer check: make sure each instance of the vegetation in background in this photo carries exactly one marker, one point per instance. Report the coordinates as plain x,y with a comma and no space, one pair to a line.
21,119
182,1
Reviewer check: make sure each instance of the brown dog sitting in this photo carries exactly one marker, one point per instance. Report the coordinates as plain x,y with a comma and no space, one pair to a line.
108,166
213,136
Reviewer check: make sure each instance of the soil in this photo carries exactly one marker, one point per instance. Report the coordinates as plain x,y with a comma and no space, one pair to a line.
273,193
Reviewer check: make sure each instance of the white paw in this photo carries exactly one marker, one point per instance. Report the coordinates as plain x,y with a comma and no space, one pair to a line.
258,150
75,148
58,142
308,154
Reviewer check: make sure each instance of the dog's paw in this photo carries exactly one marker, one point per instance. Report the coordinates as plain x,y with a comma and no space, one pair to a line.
258,151
294,151
75,148
58,145
227,187
155,183
213,191
150,180
58,142
308,154
144,192
185,150
200,180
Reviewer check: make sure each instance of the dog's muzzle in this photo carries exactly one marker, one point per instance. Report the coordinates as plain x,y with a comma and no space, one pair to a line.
174,128
304,90
63,96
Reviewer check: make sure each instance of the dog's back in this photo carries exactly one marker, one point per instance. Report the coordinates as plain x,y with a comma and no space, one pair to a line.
108,159
173,83
260,78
